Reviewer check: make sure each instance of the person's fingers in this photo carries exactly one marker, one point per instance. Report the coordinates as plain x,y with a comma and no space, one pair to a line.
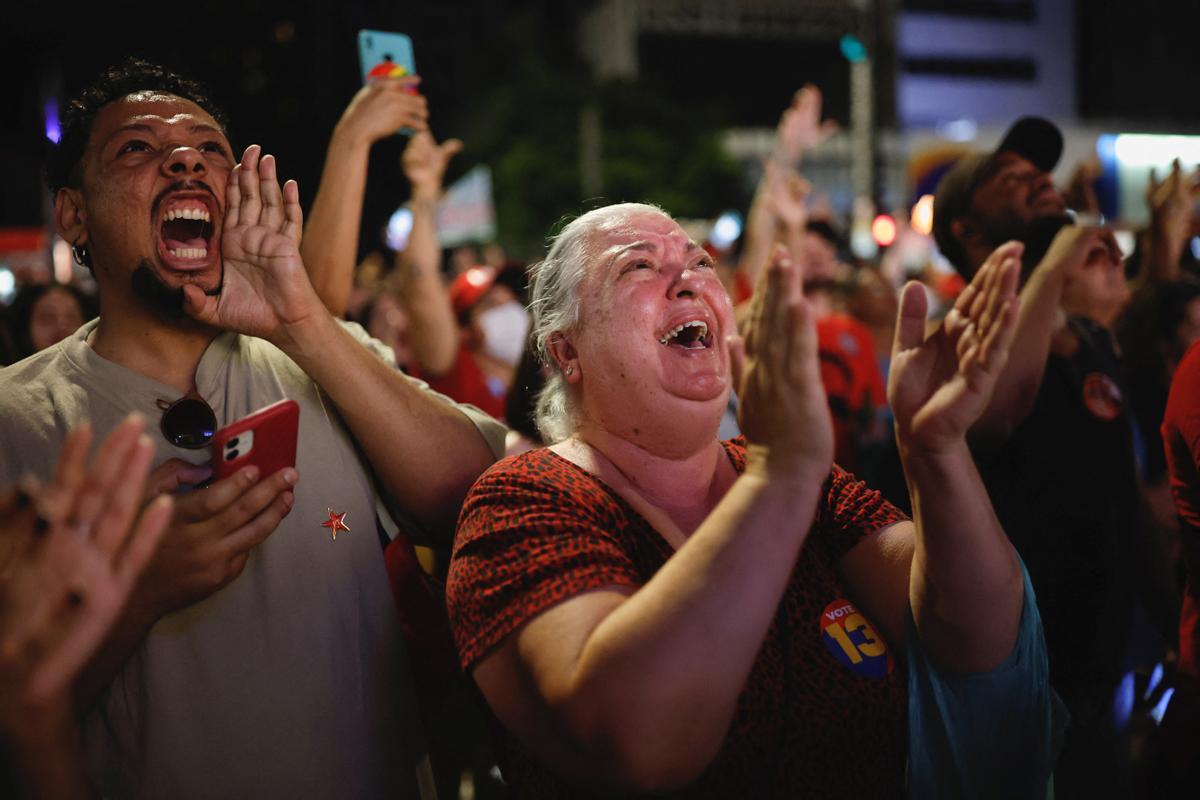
450,148
71,469
142,543
1109,240
173,473
793,277
248,182
736,346
25,514
968,360
1001,291
955,323
200,306
206,503
17,512
910,319
998,302
753,319
774,301
968,339
54,506
233,197
293,226
256,530
252,503
114,522
272,197
797,186
421,144
995,345
982,283
962,303
991,301
802,355
108,467
987,282
771,172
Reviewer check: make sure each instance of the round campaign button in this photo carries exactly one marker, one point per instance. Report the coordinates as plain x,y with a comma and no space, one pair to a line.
1101,396
854,642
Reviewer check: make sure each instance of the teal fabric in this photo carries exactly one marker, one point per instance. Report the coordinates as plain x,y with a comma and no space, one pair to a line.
992,734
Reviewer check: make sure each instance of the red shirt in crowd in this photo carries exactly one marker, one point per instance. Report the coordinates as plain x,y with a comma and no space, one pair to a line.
852,380
1181,440
467,383
823,712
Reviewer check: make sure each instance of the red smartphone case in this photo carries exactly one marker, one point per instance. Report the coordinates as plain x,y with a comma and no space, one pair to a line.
266,438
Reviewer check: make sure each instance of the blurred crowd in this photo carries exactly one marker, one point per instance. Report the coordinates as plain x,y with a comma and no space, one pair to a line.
1063,364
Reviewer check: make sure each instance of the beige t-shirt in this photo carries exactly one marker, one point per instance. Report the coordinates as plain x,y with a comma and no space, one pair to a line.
291,681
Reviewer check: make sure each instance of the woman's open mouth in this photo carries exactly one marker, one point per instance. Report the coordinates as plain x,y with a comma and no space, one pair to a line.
690,335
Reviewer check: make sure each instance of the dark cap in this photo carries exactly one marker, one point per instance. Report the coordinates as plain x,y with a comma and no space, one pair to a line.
1033,138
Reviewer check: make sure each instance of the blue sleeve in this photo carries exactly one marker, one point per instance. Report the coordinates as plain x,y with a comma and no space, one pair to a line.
988,734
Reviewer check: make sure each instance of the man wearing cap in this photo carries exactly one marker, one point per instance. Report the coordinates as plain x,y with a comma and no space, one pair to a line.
1056,446
988,199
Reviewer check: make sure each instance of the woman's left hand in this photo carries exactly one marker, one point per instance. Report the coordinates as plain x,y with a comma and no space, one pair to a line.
939,385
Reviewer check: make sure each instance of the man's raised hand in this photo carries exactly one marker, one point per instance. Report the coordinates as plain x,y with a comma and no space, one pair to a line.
264,288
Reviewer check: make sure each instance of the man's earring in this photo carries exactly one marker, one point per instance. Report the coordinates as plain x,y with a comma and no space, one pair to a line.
80,253
570,369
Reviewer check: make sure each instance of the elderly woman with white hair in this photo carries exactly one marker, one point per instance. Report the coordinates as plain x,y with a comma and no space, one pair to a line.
647,609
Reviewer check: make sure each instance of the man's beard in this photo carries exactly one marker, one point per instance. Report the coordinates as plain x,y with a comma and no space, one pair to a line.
159,298
1037,238
1036,235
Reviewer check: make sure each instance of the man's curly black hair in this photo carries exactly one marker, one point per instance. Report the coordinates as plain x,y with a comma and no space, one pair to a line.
133,75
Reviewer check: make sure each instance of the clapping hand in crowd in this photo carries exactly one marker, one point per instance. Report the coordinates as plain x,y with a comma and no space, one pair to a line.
74,550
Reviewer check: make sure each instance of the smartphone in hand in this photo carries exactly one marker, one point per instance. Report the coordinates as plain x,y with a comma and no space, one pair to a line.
266,439
385,55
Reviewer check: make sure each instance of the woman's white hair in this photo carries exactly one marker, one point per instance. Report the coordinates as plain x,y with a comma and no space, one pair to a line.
554,304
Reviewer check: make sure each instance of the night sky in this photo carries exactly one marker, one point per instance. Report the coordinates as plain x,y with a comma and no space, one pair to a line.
285,71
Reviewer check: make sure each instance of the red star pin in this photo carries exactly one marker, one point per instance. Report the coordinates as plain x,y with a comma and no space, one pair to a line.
336,522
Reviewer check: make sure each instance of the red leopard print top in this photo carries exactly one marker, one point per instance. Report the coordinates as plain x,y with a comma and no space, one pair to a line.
823,713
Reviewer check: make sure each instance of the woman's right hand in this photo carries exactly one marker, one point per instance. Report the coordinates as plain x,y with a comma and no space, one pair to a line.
776,370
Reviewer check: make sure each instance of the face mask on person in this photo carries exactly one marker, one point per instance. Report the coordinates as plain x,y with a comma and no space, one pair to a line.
504,330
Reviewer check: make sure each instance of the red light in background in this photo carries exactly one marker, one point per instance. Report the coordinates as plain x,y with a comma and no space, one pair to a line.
883,228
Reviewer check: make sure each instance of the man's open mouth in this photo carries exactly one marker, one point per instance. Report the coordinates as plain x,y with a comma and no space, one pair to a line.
690,335
186,231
